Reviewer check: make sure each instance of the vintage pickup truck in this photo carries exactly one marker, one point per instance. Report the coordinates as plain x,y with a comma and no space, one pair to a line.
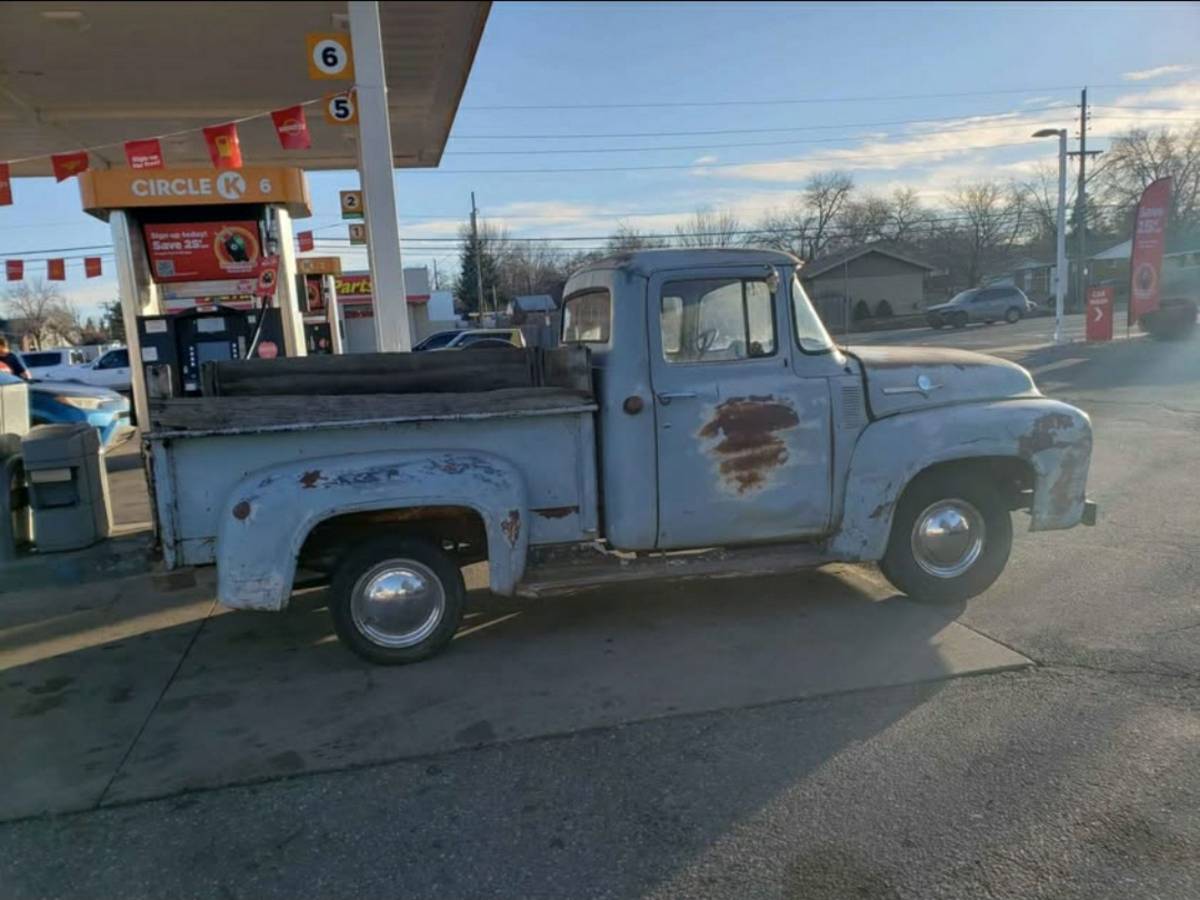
698,421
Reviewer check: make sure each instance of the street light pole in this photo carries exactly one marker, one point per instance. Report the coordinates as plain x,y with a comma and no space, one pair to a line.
1060,266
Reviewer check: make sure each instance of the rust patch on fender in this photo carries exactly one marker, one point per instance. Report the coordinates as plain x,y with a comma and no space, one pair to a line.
555,512
749,446
1044,434
511,526
310,479
242,510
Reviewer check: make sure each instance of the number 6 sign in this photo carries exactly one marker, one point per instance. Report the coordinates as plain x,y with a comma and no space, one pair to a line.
329,56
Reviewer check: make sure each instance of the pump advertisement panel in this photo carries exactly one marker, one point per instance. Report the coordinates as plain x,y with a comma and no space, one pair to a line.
202,251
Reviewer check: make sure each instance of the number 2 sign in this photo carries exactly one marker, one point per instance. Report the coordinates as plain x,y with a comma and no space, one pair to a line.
329,56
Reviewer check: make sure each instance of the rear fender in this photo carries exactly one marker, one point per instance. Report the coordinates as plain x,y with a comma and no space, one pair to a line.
1053,437
269,513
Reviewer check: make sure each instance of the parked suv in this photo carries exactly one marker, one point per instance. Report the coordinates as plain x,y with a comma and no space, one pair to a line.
990,304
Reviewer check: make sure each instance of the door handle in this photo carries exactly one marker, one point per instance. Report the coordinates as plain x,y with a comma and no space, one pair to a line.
666,397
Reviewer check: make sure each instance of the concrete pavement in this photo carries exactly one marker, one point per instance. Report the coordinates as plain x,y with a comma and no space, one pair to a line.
1078,777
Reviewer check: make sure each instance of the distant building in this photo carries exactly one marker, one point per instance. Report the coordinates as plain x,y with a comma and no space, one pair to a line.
874,277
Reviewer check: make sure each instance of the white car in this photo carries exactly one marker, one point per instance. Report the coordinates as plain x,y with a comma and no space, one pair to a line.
111,370
55,364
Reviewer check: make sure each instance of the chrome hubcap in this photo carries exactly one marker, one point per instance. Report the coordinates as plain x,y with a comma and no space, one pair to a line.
398,603
947,538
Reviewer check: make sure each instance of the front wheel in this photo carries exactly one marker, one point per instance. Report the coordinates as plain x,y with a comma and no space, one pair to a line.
1012,316
960,320
951,537
397,600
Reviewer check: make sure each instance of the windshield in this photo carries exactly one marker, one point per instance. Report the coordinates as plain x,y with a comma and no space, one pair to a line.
963,297
810,332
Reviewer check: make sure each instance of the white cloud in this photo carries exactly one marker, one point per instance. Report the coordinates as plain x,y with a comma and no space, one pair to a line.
705,160
1156,72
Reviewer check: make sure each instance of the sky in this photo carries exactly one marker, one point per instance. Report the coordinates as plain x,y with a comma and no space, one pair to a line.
730,106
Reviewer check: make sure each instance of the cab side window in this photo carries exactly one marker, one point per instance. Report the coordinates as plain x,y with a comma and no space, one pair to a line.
717,320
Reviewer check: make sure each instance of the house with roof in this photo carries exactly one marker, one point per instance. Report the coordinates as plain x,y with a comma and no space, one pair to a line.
876,278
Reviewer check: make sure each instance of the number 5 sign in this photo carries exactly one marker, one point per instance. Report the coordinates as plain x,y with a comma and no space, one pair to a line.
340,109
329,56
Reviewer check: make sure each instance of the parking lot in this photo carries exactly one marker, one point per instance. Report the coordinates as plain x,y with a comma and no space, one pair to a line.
812,736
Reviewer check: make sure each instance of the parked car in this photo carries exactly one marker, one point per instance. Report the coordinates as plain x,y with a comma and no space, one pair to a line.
438,339
55,364
465,339
989,305
62,402
111,370
696,404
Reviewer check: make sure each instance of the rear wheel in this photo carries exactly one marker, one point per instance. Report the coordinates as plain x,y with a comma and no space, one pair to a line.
951,537
397,600
1012,316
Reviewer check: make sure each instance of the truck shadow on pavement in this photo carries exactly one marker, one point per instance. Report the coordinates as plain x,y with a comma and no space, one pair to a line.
199,701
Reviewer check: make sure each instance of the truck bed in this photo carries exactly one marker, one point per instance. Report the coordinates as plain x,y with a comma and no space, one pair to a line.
198,416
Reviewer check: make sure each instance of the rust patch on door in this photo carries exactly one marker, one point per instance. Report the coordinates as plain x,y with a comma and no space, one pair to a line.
511,526
748,444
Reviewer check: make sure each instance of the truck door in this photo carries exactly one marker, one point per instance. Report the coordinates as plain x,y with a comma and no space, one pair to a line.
743,440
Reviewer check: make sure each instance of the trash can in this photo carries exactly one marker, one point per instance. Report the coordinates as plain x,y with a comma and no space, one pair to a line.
68,486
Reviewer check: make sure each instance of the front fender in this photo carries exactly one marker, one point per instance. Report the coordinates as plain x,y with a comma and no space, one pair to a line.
270,512
1053,437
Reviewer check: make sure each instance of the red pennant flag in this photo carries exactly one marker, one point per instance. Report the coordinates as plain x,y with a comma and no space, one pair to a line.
223,146
68,164
145,154
14,269
306,240
56,270
5,185
91,266
292,128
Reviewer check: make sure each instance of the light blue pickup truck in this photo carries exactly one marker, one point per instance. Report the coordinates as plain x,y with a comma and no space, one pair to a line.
698,421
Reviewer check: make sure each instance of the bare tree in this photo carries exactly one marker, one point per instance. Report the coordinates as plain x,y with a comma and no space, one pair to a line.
909,221
824,197
864,219
627,238
707,228
40,310
1140,157
993,217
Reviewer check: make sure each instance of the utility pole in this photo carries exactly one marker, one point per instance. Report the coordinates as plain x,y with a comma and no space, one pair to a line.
478,256
1081,199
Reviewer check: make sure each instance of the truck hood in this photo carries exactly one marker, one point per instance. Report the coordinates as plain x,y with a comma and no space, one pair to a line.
903,379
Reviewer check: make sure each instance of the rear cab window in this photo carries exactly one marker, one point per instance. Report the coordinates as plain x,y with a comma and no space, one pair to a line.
40,360
587,318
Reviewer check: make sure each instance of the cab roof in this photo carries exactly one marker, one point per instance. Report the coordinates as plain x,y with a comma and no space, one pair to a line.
648,262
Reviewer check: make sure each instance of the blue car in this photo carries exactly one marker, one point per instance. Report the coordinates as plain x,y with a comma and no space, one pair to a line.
58,402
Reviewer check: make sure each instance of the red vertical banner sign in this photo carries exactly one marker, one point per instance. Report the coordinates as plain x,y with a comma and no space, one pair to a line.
67,164
305,239
92,267
5,185
14,269
145,154
1149,239
1099,314
291,128
56,270
223,146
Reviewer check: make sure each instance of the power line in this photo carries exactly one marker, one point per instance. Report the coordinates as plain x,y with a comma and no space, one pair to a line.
789,101
632,134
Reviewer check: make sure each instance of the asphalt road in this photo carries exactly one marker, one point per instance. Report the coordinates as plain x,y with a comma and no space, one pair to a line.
1078,777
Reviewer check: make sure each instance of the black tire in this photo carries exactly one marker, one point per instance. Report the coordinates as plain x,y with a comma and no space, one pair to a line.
360,562
959,321
1013,316
937,325
900,565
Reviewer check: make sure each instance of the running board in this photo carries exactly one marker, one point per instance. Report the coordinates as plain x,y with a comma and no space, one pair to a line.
561,572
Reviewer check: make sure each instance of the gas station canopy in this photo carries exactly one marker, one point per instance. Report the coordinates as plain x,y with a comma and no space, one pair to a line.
82,75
